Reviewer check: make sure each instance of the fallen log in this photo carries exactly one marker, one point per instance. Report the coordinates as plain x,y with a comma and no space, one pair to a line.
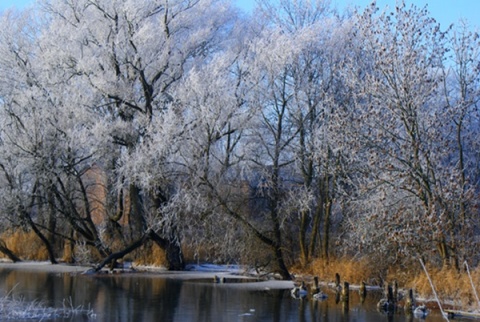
120,254
5,250
460,314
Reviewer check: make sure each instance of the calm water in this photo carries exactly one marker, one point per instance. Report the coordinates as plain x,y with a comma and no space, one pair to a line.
130,297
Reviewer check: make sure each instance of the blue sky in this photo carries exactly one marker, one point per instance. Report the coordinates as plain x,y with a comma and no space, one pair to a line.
444,11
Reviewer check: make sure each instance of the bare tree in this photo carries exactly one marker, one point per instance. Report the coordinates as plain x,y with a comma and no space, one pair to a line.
460,119
404,138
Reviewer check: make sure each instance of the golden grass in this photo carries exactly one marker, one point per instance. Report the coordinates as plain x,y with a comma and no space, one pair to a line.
353,271
68,252
451,285
149,255
25,245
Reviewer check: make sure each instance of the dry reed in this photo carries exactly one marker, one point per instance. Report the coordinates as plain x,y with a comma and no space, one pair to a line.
25,245
355,272
452,286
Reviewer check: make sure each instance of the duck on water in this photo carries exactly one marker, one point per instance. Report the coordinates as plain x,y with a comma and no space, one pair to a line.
301,291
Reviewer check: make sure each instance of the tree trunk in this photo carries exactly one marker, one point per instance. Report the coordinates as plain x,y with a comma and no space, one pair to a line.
173,251
42,237
443,251
117,255
317,219
326,230
26,215
136,218
52,220
277,245
282,268
304,255
5,250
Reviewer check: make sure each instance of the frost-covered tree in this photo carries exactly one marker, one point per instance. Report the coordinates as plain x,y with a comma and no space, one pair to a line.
404,135
45,151
319,149
210,153
312,92
460,118
177,122
130,55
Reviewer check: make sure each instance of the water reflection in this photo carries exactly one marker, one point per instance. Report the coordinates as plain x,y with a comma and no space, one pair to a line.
131,297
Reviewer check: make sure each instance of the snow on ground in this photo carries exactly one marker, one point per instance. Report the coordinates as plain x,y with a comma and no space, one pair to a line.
216,268
44,267
193,272
228,273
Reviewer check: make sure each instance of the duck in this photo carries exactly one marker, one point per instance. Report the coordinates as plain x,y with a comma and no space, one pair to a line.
385,305
420,311
320,296
317,294
217,279
299,291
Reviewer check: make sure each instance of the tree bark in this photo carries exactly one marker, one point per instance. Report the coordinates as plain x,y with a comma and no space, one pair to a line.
26,215
317,219
304,254
282,268
136,218
4,249
173,251
443,251
117,255
326,230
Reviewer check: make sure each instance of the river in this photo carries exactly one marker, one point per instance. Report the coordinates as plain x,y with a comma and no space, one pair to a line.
157,297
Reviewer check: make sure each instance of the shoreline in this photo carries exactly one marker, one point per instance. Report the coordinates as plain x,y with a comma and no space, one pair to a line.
195,273
44,266
200,272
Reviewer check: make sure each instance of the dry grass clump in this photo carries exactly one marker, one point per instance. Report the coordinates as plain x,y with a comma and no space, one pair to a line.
149,255
193,254
25,245
353,271
451,285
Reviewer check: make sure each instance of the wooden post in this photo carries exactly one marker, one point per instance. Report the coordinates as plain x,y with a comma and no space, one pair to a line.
395,292
338,288
337,280
345,307
390,293
345,296
345,291
316,288
409,302
363,292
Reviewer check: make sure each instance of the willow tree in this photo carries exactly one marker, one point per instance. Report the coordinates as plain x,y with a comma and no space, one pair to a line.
45,142
129,55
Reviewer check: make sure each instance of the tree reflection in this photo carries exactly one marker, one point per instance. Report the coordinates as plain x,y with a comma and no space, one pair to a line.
136,297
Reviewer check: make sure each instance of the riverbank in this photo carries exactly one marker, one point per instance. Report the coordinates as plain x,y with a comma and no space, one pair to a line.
197,272
44,266
450,297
